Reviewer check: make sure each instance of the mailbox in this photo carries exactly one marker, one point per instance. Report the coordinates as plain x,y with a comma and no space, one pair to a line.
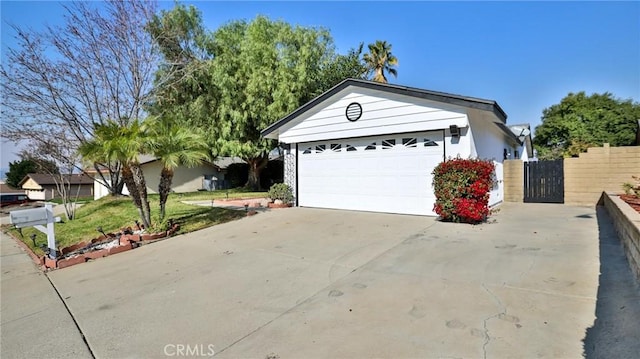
37,218
29,217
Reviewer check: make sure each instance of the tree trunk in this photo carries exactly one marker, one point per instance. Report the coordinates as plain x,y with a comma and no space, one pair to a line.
141,186
164,187
256,165
127,177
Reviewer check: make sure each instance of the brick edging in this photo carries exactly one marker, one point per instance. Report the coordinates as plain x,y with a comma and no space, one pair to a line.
127,242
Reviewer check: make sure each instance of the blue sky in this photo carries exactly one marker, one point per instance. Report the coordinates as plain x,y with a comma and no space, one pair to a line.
525,55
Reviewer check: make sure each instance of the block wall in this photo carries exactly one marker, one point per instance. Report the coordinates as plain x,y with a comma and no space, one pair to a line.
600,169
513,180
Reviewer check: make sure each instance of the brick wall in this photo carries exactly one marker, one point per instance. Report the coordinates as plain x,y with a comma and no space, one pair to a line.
513,180
600,169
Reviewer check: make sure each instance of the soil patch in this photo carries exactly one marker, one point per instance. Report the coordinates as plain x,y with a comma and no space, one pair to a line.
633,201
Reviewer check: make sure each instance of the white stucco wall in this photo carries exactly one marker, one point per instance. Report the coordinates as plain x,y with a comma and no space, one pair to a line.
99,190
489,143
185,179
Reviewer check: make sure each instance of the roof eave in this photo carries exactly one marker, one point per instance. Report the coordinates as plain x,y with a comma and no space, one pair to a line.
469,102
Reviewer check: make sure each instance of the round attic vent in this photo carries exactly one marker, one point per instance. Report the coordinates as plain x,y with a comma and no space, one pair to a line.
353,112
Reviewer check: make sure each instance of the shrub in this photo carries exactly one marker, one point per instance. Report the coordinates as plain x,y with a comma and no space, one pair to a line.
632,189
462,189
281,191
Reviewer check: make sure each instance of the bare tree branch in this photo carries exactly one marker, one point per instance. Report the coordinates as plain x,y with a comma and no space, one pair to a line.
99,65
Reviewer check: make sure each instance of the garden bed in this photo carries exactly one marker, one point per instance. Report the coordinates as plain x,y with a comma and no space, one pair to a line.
103,246
632,201
111,215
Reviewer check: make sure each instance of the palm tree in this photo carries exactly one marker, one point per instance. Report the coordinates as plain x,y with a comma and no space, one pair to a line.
174,146
114,142
380,59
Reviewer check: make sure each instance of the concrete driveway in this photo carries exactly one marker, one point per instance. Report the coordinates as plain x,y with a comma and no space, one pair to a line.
311,283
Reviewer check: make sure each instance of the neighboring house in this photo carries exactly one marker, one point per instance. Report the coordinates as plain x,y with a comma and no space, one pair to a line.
40,186
204,177
369,146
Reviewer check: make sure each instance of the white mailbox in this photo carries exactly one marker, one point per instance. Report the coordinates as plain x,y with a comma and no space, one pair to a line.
28,217
37,218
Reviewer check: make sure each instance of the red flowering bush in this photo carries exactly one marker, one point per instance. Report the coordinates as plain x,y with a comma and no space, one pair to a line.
462,189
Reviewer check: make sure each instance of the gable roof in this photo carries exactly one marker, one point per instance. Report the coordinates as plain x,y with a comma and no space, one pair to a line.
47,179
464,101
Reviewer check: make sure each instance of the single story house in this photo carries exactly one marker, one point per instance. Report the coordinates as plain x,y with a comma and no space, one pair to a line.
42,186
369,146
208,176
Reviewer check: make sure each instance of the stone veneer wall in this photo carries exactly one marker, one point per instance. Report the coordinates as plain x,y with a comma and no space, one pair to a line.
513,171
600,169
290,170
626,221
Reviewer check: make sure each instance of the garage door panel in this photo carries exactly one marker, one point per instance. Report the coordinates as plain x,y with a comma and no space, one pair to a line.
394,177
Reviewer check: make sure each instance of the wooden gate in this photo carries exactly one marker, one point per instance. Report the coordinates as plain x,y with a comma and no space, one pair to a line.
544,181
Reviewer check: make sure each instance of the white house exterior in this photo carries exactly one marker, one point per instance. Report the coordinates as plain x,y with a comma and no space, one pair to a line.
372,147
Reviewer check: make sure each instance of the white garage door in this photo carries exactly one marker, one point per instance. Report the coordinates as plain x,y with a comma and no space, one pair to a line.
380,174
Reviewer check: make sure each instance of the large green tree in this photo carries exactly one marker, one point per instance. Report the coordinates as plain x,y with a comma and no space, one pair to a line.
379,60
19,169
239,79
263,70
580,121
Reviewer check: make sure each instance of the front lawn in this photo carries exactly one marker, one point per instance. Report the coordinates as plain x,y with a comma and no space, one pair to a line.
80,200
112,214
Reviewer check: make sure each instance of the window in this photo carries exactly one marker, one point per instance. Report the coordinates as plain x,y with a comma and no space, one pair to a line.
307,151
429,143
350,148
387,144
335,147
410,142
372,146
320,148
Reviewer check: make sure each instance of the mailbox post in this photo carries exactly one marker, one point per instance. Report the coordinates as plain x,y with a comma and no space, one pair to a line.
37,218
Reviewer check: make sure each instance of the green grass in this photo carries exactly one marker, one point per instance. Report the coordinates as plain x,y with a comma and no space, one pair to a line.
112,214
80,200
219,194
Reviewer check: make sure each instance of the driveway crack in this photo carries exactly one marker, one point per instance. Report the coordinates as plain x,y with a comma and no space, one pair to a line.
73,318
503,311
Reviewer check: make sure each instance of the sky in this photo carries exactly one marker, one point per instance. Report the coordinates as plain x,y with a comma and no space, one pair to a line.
526,56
